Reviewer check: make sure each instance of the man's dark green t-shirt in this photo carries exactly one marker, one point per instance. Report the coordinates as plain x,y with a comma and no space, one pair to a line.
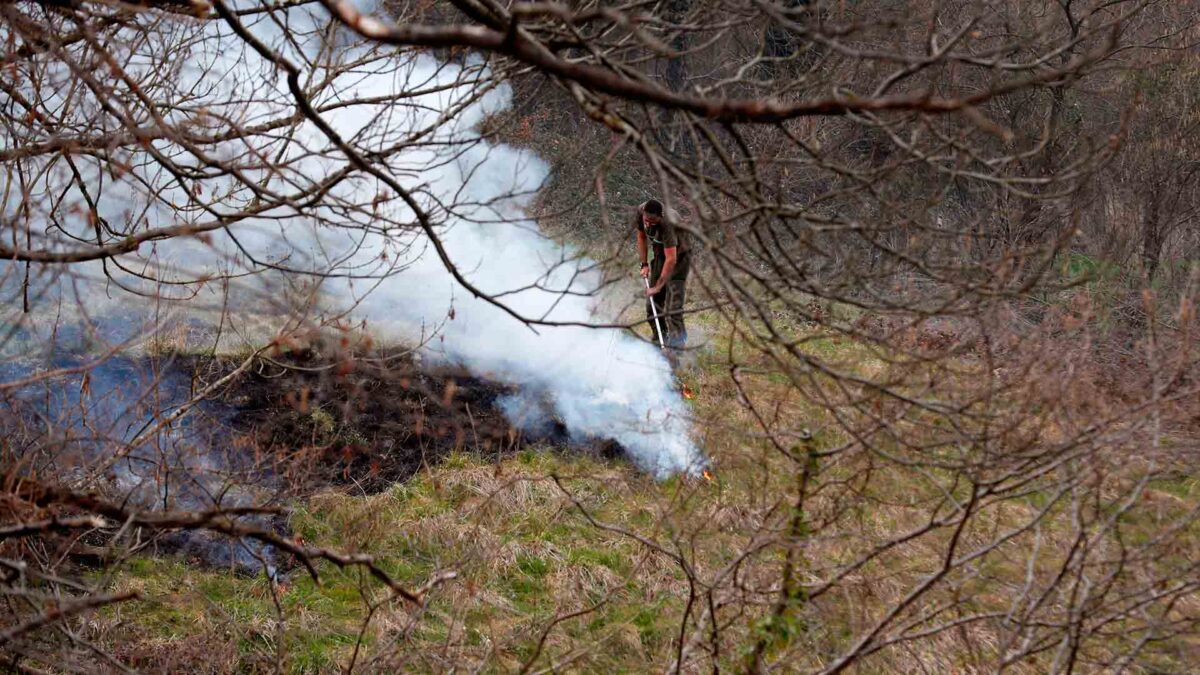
664,236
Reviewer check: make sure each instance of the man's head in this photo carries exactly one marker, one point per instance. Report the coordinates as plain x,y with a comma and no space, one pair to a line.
652,212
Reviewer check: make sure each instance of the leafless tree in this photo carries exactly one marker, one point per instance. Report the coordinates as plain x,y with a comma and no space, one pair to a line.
966,486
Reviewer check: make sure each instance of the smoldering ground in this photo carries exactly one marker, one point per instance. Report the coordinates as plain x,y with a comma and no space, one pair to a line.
114,404
356,254
305,418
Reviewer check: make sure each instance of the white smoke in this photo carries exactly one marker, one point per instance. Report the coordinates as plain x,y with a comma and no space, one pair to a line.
599,383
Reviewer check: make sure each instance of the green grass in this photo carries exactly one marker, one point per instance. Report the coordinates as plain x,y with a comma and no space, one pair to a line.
181,602
533,563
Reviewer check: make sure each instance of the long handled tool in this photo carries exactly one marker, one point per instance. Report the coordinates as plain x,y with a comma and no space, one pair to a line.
683,388
654,311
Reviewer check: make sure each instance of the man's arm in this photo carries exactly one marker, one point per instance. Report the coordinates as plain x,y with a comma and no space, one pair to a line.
669,254
643,244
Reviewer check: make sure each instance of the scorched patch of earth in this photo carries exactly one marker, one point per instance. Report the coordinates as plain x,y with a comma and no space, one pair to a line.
369,420
297,422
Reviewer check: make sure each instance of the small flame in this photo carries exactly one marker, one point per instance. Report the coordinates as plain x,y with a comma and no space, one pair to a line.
708,475
687,392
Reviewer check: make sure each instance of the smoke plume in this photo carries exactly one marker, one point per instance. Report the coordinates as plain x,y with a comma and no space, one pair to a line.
356,249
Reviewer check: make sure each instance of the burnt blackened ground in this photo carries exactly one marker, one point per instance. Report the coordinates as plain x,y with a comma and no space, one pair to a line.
369,420
297,422
102,425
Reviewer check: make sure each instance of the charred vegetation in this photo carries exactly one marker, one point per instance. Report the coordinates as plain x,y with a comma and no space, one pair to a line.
364,421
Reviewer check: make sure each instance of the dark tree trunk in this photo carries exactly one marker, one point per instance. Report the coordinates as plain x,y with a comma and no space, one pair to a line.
1152,238
676,136
780,42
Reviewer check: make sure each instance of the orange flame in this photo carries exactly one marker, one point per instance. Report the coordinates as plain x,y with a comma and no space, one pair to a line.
708,475
687,392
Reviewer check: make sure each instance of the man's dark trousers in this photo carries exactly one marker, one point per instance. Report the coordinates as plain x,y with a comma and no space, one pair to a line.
669,302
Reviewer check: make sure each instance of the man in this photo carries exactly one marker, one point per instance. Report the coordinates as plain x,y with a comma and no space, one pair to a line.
657,230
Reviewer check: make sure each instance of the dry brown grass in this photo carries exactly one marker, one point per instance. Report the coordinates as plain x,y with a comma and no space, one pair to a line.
590,565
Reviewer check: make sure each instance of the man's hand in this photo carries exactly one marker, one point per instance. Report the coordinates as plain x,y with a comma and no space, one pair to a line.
645,271
653,290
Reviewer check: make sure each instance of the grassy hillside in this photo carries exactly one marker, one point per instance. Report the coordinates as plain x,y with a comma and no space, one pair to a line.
550,560
543,537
